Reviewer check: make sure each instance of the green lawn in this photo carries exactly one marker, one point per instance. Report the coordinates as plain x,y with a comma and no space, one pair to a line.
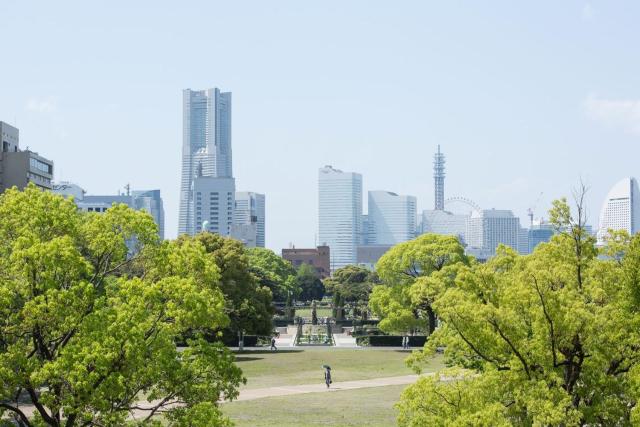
371,407
295,366
321,312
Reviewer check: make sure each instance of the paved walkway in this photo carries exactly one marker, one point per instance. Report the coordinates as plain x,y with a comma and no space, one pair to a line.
344,340
260,393
285,340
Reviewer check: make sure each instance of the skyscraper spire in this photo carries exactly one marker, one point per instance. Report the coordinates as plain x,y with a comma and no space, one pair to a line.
438,178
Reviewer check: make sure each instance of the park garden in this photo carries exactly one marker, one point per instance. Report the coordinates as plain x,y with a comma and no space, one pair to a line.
103,324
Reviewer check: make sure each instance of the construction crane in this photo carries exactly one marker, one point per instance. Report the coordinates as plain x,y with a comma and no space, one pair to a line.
532,208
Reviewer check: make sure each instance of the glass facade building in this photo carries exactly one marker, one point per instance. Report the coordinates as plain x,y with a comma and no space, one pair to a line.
249,210
391,218
340,214
206,146
621,209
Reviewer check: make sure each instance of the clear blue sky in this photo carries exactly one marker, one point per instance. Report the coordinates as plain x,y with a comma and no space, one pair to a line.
524,97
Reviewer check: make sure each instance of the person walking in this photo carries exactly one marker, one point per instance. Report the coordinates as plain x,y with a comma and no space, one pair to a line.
327,375
273,344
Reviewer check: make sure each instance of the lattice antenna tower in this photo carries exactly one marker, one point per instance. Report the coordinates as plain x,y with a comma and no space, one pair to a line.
438,179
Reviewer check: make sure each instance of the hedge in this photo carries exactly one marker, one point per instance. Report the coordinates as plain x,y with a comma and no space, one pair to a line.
390,340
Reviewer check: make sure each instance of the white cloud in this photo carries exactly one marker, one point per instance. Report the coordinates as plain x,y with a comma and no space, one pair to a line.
588,12
41,105
623,113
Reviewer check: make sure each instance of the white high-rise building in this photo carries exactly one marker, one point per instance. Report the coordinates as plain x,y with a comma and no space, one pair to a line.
444,222
488,228
621,209
250,209
213,204
206,146
392,218
340,214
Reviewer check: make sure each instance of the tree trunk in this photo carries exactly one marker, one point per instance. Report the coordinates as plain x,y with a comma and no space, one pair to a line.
432,319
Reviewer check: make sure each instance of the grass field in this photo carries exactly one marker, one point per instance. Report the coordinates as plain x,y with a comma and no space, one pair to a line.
320,312
295,366
371,407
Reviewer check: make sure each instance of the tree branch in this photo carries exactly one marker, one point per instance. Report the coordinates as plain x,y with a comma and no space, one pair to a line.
21,415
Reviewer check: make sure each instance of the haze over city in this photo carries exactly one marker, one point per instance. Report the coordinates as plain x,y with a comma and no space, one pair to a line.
523,99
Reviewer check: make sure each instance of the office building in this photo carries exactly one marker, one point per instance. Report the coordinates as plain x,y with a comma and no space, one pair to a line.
149,201
391,217
206,147
245,233
489,228
444,222
214,200
539,233
19,167
250,212
523,241
69,189
367,230
319,258
620,210
368,255
340,214
10,137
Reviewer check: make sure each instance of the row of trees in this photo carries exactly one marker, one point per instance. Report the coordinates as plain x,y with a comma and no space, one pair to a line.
552,338
92,306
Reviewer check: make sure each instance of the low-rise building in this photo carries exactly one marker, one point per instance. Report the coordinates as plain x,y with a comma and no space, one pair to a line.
18,167
319,258
149,201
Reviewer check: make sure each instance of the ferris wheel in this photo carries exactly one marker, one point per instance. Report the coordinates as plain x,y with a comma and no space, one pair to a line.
456,201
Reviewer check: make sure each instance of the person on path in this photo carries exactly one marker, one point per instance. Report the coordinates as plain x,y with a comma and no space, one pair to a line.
327,375
273,344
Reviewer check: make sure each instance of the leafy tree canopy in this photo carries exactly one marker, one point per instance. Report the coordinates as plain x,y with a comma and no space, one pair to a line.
82,338
310,285
552,338
273,272
353,283
412,274
248,303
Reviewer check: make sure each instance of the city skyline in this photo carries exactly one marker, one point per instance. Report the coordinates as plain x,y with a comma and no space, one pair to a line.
510,132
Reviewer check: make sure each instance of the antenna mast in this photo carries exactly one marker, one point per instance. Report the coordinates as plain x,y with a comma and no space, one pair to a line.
438,178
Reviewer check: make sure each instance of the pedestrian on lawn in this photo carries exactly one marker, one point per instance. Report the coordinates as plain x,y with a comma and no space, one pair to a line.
327,375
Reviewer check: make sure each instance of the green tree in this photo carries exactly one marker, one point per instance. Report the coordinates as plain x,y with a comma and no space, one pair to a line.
552,338
354,283
310,285
248,303
82,339
351,285
273,272
412,275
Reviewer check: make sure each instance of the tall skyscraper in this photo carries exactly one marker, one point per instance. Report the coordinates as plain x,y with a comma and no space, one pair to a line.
206,146
438,178
250,209
392,218
340,214
621,209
